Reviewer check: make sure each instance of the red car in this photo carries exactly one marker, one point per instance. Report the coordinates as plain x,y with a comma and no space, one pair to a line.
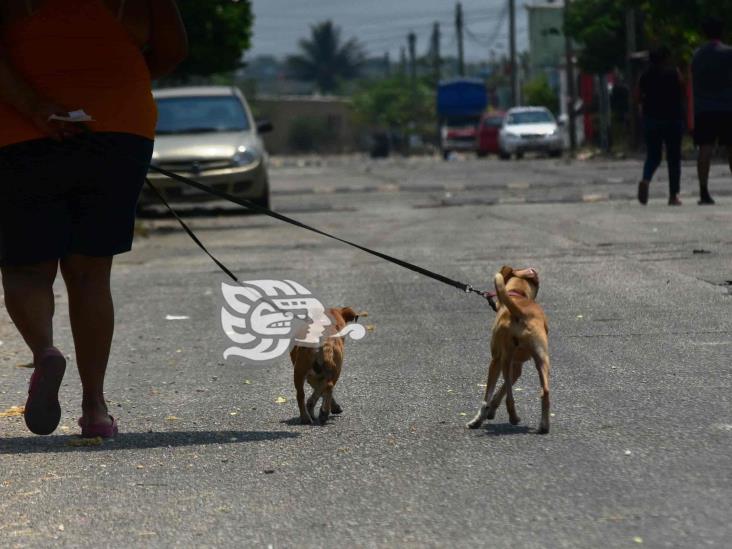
487,135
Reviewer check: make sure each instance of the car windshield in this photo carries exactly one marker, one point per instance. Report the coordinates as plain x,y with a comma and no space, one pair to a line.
181,115
493,122
530,117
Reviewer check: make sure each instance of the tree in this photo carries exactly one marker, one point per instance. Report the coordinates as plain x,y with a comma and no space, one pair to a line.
599,27
392,104
325,59
538,92
219,32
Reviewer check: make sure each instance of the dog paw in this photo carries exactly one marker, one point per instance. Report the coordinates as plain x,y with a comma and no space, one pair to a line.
490,414
323,417
515,420
474,424
306,420
336,409
543,429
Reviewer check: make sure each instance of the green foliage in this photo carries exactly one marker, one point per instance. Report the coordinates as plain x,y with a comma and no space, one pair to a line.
393,103
599,27
219,31
325,59
539,93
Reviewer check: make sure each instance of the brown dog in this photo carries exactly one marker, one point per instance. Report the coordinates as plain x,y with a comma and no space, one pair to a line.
321,368
519,333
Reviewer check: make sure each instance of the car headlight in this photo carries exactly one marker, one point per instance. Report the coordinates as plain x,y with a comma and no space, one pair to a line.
245,157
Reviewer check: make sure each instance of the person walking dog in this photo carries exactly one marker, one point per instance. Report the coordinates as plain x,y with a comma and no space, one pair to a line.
67,196
711,70
661,98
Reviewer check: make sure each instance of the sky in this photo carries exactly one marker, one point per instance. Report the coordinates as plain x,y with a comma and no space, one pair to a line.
382,25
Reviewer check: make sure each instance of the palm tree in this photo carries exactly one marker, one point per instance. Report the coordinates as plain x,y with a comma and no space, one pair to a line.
324,59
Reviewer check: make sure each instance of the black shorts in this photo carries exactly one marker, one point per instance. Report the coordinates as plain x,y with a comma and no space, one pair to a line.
711,128
76,196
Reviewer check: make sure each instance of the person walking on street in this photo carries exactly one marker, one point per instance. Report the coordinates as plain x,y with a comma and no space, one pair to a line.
68,197
661,99
711,70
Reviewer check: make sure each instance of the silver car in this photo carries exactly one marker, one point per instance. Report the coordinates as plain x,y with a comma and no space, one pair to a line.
529,129
208,134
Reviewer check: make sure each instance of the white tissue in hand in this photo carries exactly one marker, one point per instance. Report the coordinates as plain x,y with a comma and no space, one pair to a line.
73,116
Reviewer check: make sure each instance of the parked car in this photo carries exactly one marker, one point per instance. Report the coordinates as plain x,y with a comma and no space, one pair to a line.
460,103
488,130
208,135
530,129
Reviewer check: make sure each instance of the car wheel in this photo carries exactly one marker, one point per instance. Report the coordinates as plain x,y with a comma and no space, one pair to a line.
519,156
555,154
481,154
504,155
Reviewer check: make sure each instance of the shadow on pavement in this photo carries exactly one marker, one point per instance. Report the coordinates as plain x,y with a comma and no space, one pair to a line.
501,429
127,441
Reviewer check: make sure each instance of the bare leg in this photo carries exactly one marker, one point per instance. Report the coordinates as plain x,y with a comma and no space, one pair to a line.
703,165
490,386
30,303
91,312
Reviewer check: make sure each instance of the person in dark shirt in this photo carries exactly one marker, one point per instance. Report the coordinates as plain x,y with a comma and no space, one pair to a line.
711,70
661,95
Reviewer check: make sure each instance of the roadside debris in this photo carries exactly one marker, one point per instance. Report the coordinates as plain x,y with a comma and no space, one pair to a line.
13,411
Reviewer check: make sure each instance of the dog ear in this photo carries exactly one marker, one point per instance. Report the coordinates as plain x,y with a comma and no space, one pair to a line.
506,272
348,314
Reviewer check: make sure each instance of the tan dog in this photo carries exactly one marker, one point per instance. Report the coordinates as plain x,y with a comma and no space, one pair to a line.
321,368
519,333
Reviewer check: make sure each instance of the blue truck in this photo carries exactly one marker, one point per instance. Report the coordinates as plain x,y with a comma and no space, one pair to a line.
460,104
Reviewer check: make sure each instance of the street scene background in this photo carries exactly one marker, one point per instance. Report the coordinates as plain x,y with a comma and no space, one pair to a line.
211,451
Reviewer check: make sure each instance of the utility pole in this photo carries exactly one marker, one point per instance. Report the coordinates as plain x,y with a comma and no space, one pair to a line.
387,64
403,61
459,33
631,47
436,61
412,43
571,83
512,40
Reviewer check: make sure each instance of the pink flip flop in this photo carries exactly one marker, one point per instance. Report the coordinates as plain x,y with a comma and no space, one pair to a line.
42,409
104,430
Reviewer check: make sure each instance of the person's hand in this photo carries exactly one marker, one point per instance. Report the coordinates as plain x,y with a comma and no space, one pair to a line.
39,112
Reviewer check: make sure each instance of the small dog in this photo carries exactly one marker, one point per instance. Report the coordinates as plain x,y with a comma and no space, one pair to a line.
519,333
321,368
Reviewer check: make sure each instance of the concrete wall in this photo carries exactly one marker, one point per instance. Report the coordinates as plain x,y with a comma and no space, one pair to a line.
331,116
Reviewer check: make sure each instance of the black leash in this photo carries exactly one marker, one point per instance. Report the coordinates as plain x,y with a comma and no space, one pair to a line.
467,288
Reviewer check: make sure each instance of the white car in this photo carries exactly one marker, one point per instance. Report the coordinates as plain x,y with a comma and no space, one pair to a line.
528,129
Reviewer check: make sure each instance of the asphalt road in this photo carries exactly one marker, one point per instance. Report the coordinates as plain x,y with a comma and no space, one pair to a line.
638,301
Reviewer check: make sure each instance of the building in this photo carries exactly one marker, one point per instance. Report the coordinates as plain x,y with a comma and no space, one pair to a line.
546,40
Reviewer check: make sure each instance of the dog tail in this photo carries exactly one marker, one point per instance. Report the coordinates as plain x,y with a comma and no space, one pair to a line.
505,299
323,355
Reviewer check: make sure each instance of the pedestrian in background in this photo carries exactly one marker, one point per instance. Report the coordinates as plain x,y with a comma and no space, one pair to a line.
67,198
711,70
662,102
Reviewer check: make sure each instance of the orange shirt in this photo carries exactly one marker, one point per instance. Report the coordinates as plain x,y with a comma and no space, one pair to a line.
75,52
